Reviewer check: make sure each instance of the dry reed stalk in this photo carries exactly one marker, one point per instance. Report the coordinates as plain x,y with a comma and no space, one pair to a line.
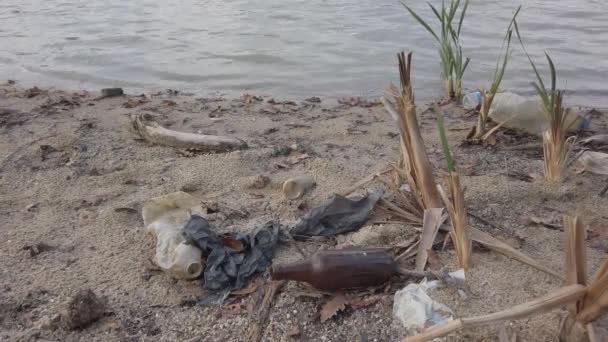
416,160
544,304
433,219
596,300
458,216
576,268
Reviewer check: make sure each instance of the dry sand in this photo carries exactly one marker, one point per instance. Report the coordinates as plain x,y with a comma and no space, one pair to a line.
69,161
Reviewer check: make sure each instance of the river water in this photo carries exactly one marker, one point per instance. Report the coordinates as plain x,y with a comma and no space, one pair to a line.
290,47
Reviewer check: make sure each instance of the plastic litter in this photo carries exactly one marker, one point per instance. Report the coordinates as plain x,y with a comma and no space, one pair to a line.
335,216
233,258
472,100
164,217
526,114
594,162
296,187
414,310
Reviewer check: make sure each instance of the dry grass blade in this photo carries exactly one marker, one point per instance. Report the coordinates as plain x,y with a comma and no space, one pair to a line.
596,301
498,246
576,268
546,303
433,219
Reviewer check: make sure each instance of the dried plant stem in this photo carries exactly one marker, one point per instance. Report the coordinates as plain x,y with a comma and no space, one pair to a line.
458,216
414,152
484,113
596,300
576,268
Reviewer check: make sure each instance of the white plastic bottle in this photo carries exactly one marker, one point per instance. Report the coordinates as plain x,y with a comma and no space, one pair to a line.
525,113
165,217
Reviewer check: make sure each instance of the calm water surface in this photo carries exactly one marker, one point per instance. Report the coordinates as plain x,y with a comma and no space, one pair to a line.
288,47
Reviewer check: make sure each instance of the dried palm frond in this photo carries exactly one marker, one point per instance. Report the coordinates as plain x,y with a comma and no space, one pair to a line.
414,159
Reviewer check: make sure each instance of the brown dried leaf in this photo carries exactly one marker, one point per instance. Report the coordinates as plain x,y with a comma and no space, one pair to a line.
168,102
551,223
233,309
232,243
297,158
434,262
331,308
251,288
360,302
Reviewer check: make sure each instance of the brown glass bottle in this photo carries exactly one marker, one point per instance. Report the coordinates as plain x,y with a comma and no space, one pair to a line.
340,269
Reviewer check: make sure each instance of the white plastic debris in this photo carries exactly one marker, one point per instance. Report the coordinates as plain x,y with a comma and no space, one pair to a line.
527,114
414,310
165,217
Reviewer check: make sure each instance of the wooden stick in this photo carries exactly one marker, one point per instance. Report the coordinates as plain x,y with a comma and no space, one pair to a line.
256,327
363,182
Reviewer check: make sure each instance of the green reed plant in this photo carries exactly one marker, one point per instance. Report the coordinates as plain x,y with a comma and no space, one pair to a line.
453,63
556,147
487,96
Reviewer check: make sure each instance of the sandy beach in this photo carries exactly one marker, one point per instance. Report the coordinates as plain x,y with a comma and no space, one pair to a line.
73,179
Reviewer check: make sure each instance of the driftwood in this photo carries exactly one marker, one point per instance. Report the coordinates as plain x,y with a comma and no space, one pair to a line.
157,134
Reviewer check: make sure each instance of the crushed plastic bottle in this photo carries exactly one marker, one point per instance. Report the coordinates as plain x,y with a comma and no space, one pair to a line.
472,100
527,114
165,217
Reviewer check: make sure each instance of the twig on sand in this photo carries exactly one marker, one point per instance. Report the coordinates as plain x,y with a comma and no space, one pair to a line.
363,182
259,317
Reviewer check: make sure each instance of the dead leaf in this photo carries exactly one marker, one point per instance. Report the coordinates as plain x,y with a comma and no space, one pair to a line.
294,331
169,102
360,302
491,140
551,223
281,166
524,177
233,309
297,158
434,262
232,243
251,288
331,308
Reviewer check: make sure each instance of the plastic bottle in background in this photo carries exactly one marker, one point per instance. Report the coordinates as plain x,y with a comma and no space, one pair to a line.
530,113
472,100
165,217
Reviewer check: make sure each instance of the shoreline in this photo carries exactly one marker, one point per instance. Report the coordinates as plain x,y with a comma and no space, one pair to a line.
75,178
